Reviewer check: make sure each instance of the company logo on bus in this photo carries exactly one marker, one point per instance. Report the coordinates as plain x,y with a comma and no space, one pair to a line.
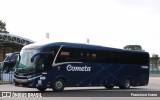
78,68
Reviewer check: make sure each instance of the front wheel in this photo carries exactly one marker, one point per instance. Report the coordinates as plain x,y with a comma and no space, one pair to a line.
41,89
109,87
125,84
58,85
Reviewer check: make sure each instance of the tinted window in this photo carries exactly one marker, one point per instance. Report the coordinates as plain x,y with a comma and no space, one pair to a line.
100,56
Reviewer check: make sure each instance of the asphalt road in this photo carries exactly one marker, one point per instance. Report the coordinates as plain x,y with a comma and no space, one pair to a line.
151,91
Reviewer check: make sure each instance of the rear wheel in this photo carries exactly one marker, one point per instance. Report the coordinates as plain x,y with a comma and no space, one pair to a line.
125,84
58,85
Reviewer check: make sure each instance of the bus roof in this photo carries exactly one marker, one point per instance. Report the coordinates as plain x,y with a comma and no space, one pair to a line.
83,46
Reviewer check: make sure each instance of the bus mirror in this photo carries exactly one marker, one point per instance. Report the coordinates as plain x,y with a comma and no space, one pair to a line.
32,58
40,54
16,55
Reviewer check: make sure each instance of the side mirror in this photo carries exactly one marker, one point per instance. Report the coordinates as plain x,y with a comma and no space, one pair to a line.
32,58
40,54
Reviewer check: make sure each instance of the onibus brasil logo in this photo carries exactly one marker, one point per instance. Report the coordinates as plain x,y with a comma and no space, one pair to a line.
20,94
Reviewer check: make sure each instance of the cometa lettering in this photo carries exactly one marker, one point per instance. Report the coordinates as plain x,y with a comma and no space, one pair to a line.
77,68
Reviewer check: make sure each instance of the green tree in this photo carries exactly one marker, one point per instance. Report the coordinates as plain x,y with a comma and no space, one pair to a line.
3,27
133,47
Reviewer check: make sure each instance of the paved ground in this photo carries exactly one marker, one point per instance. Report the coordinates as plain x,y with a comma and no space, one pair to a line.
91,93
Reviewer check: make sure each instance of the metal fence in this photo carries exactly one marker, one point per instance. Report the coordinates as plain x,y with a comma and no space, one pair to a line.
154,69
6,78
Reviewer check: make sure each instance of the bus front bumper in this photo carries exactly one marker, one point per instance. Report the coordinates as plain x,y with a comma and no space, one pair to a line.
24,83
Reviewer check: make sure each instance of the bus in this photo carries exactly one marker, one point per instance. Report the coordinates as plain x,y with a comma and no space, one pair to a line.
10,59
60,64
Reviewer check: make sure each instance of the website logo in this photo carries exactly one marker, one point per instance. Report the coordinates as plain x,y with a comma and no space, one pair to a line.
6,94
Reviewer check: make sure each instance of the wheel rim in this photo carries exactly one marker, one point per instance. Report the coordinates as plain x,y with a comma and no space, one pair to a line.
127,83
59,85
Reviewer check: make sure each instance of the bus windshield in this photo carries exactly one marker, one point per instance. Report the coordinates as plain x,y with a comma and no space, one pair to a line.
24,63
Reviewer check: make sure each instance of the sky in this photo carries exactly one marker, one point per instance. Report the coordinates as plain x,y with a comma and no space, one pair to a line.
111,23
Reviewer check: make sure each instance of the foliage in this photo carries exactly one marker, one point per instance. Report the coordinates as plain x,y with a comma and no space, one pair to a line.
3,27
154,60
133,47
155,57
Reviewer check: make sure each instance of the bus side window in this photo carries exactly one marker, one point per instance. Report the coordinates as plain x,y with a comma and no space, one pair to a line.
82,55
63,56
94,56
88,55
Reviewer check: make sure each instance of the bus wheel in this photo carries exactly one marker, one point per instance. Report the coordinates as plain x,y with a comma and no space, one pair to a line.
58,85
41,89
125,84
109,87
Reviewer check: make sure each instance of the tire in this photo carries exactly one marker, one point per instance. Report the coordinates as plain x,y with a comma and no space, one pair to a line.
126,83
58,85
109,87
41,89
